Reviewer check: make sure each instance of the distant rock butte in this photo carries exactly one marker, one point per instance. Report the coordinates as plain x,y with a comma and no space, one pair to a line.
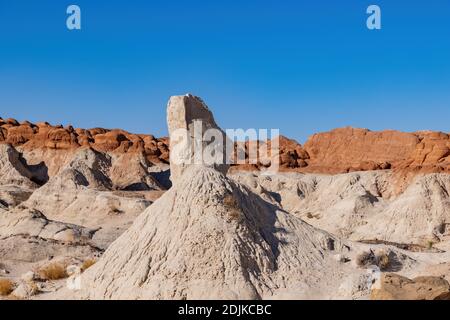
337,151
349,149
54,146
30,136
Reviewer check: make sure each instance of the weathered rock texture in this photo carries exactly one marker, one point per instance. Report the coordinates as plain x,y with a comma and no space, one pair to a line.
362,205
248,235
27,235
210,238
12,168
188,119
396,287
83,192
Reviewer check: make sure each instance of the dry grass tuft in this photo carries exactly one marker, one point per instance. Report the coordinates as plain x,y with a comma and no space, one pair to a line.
365,258
87,264
382,260
369,258
53,271
33,288
6,287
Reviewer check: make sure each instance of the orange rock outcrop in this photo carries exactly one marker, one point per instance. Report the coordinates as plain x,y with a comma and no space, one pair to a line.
29,136
349,149
337,151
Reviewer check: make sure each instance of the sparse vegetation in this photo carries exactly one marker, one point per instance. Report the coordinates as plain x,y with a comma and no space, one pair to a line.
369,258
430,244
32,288
87,264
53,271
309,215
365,258
25,290
6,287
382,260
234,211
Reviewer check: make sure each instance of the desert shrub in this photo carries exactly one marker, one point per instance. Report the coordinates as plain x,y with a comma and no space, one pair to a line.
53,271
365,258
382,260
369,258
87,264
25,290
6,287
310,215
33,288
232,205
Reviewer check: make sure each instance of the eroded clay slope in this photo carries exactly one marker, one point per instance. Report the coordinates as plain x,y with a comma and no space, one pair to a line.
210,238
363,205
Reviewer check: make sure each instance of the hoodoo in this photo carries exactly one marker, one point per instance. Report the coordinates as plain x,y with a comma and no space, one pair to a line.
210,237
190,121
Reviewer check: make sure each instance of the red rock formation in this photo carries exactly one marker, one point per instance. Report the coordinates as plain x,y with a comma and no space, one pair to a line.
292,154
29,136
338,151
433,151
348,149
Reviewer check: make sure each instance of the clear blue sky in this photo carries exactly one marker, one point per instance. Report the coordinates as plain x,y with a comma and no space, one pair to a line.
300,66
